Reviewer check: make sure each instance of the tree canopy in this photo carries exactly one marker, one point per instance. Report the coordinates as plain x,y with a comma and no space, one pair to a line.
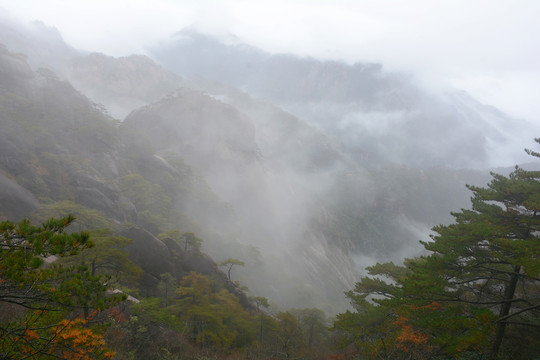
229,264
477,288
42,300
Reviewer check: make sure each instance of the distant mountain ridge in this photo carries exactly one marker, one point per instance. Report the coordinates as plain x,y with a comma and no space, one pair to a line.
131,82
376,115
64,155
308,184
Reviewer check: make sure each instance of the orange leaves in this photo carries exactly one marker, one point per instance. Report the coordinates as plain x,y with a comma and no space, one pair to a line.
76,334
409,336
67,339
53,291
31,334
73,340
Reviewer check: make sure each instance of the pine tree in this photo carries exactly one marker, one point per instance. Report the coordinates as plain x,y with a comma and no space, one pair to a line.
478,289
41,299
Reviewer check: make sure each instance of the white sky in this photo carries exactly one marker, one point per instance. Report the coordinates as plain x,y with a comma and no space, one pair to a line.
490,48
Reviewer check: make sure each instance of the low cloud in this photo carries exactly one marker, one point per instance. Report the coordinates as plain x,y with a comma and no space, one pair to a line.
488,48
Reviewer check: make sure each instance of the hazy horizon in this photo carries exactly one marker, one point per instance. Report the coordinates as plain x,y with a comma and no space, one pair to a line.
487,48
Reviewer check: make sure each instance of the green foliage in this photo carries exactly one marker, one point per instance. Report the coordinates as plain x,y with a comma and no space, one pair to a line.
152,310
85,218
40,294
260,302
477,286
289,335
150,332
153,204
167,286
229,263
314,327
108,256
212,318
191,242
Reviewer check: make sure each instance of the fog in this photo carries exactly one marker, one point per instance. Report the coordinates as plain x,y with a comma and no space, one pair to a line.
488,48
331,135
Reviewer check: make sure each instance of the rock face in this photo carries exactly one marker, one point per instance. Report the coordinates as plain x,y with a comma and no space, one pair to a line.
157,257
59,146
187,261
302,198
377,116
53,140
147,251
265,188
122,84
215,139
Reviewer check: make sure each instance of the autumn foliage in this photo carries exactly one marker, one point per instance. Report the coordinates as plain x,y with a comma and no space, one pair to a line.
41,304
68,339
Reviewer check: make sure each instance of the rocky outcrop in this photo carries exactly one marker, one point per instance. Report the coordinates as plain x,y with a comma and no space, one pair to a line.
157,257
147,251
248,177
187,261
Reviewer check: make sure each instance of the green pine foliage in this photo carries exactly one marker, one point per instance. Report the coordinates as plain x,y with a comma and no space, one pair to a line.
212,318
476,292
41,299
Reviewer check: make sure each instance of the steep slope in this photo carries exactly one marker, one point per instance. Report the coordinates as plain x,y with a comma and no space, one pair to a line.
61,154
46,127
304,210
43,45
377,211
58,146
293,190
376,115
270,196
122,84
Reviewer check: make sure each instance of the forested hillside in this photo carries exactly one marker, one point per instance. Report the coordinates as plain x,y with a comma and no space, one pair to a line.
196,209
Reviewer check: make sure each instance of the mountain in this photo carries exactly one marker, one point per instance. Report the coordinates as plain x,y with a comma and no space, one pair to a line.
58,147
274,209
293,183
123,84
43,45
62,154
308,207
376,115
